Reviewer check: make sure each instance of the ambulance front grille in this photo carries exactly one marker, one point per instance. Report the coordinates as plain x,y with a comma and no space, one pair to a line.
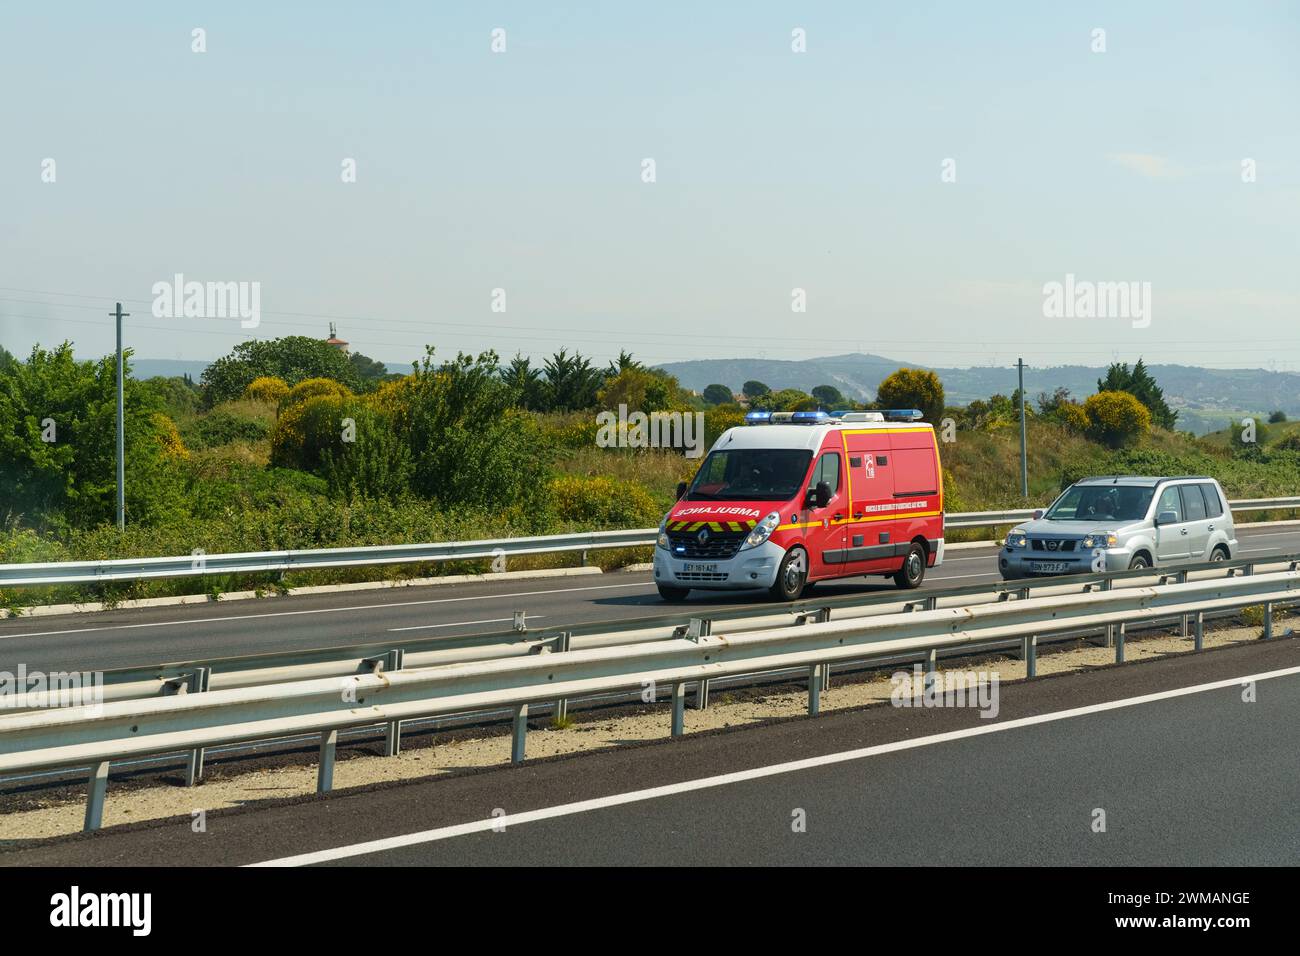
717,546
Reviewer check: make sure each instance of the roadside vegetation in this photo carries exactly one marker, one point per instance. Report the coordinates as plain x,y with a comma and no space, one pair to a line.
290,444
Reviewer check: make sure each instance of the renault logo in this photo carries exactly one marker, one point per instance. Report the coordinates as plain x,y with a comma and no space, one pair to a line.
703,536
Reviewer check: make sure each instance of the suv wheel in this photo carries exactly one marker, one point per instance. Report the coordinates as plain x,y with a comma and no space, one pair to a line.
1139,561
791,576
1220,553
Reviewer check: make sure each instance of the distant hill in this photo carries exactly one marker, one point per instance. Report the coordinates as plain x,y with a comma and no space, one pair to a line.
1206,399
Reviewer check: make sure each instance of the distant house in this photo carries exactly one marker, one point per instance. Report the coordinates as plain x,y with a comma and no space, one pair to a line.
335,341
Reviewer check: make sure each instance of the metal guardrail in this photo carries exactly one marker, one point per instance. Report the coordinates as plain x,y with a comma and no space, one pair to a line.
206,674
199,564
94,735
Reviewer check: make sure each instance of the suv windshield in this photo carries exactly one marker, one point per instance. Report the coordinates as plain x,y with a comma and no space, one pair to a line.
1101,503
750,474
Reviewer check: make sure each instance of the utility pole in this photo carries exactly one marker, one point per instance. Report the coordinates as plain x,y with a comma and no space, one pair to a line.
121,425
1024,458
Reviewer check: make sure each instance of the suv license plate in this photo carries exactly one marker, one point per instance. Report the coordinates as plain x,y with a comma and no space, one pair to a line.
1048,567
700,568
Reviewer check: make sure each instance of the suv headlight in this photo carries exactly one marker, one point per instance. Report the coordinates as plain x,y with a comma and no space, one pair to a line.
1100,539
1017,539
762,531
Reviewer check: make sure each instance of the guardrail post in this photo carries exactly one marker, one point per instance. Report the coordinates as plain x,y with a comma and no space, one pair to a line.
329,740
1119,644
1199,631
562,644
1030,654
97,789
393,661
697,628
931,660
823,616
194,764
1109,585
519,733
1182,630
815,689
679,709
584,558
1268,620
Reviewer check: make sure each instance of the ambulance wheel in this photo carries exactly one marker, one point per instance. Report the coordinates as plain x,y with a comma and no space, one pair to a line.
912,573
791,577
673,595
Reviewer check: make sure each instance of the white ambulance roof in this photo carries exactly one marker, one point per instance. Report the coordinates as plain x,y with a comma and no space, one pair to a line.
798,436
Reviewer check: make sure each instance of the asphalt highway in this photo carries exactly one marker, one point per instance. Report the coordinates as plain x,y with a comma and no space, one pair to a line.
1186,766
147,636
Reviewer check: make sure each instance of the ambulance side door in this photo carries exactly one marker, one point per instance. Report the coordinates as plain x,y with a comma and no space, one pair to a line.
824,534
870,544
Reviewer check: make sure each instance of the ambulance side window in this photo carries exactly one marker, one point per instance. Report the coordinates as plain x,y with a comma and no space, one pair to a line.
828,470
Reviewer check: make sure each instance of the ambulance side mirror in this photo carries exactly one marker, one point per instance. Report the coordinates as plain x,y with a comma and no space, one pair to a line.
820,496
681,489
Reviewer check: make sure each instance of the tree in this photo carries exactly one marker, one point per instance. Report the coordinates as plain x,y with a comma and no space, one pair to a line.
754,389
292,358
1139,383
912,388
624,362
58,426
1116,418
570,382
369,371
717,395
640,389
1276,418
524,382
828,396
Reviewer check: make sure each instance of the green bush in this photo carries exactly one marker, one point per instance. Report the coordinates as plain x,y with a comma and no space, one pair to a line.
600,502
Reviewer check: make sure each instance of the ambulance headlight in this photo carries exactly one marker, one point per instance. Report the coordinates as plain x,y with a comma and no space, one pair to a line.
662,540
762,531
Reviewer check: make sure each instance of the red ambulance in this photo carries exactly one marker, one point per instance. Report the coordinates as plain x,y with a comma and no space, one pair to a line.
792,498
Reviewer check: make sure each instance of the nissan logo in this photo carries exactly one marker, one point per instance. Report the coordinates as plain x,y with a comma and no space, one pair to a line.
1053,545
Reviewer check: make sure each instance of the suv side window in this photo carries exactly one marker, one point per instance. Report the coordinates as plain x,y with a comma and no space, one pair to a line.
1213,504
1194,504
1170,500
828,470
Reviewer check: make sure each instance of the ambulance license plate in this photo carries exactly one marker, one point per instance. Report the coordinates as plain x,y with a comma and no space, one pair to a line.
1048,567
700,568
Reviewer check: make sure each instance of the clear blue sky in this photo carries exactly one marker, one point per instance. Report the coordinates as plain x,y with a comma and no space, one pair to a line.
775,170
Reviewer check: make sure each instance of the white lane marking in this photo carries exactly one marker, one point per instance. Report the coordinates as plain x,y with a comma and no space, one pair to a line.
326,610
953,577
493,620
757,773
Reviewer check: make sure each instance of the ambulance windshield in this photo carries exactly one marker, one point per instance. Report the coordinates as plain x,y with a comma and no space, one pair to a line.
751,474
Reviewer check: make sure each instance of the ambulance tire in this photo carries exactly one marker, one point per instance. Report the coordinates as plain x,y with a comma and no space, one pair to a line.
791,577
912,573
673,595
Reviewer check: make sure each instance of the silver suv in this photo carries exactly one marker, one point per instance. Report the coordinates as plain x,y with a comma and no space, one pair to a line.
1118,522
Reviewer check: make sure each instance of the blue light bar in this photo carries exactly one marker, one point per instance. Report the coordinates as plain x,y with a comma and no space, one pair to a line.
758,418
903,415
810,418
838,413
